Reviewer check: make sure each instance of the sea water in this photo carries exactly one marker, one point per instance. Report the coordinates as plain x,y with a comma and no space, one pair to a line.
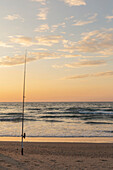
57,119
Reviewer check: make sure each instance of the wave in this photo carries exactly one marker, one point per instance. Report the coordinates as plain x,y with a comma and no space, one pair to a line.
13,113
33,109
90,110
51,113
53,121
99,123
16,120
61,116
108,131
2,107
81,109
58,115
53,108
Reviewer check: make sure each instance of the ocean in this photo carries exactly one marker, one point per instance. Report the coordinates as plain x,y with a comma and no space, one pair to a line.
57,119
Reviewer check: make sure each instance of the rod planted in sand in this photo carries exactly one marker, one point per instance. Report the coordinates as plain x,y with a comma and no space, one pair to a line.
23,134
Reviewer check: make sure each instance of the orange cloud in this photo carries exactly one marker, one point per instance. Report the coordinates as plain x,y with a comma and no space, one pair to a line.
100,74
75,2
22,40
90,20
42,15
86,63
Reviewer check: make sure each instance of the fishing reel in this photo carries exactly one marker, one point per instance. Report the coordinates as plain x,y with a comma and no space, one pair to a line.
24,136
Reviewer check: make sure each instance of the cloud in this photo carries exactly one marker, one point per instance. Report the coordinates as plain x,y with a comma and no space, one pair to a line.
41,49
57,66
90,20
20,59
70,55
68,43
68,18
78,76
81,23
14,17
82,63
86,63
69,46
42,15
16,60
68,49
31,56
75,2
107,73
109,18
97,41
44,55
100,74
49,40
42,40
63,32
55,27
50,55
22,40
43,2
2,44
42,28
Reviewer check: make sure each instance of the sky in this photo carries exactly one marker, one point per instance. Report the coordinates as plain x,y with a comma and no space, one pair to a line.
69,47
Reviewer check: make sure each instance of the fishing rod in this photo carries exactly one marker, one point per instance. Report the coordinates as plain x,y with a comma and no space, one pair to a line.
23,134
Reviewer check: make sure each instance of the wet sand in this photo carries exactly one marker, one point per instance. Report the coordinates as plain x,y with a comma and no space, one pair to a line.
56,156
61,139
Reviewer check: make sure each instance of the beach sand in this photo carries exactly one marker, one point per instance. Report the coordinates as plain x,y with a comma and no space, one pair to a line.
56,156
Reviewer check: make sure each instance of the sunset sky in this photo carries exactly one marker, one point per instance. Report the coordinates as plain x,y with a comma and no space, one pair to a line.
69,50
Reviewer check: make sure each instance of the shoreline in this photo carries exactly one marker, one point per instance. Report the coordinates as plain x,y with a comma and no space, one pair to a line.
61,139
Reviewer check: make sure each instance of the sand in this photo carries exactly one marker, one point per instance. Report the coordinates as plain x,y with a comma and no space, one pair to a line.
56,156
61,139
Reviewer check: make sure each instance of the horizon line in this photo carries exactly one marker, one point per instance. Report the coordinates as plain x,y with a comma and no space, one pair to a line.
55,101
